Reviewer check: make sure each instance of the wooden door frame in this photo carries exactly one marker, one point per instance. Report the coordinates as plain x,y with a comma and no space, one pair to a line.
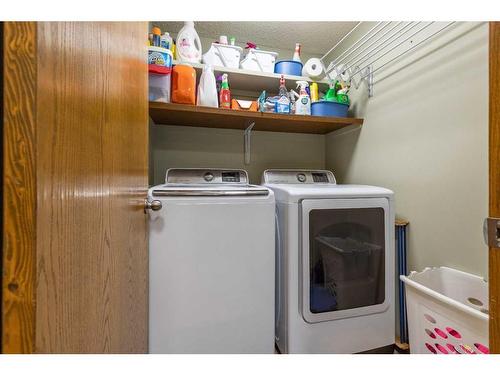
494,181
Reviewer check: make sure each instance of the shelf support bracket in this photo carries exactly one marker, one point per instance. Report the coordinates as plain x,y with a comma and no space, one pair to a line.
246,141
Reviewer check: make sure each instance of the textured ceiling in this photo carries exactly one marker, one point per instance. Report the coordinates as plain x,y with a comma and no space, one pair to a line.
316,37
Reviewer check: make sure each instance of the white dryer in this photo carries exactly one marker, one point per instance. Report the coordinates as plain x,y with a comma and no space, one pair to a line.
335,264
211,264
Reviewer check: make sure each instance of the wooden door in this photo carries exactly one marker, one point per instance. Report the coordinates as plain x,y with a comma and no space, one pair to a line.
82,271
494,176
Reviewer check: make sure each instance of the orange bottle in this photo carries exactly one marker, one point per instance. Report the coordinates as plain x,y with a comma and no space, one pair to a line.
184,84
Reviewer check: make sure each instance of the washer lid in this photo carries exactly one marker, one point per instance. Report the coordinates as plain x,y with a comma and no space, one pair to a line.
296,176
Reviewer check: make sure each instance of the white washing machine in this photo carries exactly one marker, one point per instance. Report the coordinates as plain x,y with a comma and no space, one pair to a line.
211,264
335,264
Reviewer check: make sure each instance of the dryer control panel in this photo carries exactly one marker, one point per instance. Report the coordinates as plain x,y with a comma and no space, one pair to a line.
198,176
289,176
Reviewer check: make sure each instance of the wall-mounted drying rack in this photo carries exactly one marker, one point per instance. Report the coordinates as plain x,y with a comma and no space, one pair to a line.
383,44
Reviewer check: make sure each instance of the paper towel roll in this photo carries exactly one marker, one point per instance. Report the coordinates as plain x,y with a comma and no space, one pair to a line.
313,69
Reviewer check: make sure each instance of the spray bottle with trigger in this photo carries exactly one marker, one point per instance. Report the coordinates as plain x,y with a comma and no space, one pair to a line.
303,104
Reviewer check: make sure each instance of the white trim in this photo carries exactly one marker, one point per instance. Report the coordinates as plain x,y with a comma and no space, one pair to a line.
305,207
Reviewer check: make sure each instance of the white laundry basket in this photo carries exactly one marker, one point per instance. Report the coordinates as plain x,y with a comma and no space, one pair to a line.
447,312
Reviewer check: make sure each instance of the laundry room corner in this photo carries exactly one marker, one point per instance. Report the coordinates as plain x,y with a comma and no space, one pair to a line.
425,137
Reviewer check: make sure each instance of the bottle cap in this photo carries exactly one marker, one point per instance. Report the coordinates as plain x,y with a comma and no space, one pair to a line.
156,30
225,83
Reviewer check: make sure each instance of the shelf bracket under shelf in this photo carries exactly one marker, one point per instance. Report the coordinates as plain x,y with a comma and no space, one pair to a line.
246,141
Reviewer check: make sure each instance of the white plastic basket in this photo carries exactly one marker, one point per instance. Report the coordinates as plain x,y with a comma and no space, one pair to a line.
447,312
258,60
223,55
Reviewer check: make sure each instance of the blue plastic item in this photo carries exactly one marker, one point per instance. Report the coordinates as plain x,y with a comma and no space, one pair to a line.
290,67
321,300
331,109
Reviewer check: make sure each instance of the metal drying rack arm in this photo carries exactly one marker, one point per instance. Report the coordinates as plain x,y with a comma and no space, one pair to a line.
379,41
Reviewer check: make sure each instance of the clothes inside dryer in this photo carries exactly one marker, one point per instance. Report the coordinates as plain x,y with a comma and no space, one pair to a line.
346,259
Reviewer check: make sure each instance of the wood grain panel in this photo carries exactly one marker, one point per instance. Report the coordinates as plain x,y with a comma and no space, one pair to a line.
92,154
494,185
19,190
190,115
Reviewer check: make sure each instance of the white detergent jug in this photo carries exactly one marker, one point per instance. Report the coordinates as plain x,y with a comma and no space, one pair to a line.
207,89
188,46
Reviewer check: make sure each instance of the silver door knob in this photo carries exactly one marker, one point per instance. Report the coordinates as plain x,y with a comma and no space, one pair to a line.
152,205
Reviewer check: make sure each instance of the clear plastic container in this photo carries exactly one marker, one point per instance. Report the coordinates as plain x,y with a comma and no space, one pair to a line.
447,312
159,87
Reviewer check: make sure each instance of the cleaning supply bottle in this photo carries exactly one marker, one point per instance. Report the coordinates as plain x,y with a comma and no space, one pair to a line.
225,93
173,49
314,92
303,105
207,88
188,44
283,103
166,41
293,98
331,94
296,54
156,36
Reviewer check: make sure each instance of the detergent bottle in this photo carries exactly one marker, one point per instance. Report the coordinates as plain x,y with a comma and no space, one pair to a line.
207,88
188,46
303,104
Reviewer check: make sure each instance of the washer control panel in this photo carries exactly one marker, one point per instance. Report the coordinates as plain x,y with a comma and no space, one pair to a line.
288,176
206,176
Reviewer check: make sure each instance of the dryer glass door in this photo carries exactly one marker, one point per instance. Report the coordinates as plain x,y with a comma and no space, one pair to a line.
346,266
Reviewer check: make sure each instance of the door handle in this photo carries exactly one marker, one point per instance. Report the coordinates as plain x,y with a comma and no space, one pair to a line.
154,205
491,231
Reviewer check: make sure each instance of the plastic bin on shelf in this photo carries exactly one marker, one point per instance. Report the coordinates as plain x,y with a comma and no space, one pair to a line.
159,87
259,60
160,73
223,55
447,312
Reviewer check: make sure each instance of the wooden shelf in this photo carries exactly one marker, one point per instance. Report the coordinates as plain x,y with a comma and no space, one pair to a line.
190,115
251,81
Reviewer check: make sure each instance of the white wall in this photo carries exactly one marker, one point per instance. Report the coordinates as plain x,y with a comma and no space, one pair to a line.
425,136
190,147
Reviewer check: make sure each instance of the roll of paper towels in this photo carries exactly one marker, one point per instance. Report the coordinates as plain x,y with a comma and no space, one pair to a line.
313,69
